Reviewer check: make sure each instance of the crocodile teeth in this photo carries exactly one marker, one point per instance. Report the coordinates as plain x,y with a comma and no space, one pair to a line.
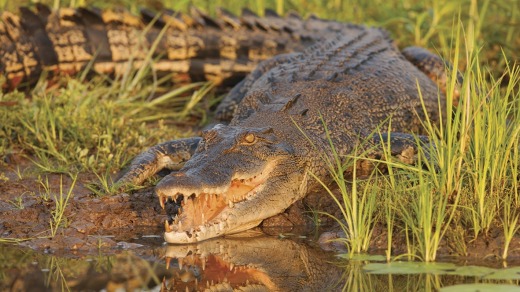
162,200
168,263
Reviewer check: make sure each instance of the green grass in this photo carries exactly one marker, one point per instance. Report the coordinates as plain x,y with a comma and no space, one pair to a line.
466,185
467,182
92,125
17,202
58,218
357,201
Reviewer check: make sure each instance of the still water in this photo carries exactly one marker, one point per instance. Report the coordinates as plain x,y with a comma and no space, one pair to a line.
258,263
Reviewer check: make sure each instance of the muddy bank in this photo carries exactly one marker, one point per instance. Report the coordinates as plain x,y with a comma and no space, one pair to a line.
88,221
91,222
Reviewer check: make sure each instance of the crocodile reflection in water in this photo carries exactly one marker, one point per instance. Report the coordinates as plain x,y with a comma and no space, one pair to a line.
252,264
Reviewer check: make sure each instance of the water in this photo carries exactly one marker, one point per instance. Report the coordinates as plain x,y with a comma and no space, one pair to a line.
242,263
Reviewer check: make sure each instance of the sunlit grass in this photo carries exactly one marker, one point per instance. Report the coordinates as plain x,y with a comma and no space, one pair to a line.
467,179
17,202
61,201
91,126
356,202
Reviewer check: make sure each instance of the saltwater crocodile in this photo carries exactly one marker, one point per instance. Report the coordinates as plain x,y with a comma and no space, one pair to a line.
192,46
283,119
351,81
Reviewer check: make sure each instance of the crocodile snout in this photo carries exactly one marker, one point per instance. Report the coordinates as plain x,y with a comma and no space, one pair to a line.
176,183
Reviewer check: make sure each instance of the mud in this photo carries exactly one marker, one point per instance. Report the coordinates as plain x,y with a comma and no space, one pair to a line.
92,222
89,221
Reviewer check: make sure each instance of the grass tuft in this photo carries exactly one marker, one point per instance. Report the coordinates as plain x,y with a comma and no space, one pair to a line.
61,202
87,127
467,178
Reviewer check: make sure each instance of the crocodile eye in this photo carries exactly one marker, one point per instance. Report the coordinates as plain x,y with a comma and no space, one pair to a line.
250,138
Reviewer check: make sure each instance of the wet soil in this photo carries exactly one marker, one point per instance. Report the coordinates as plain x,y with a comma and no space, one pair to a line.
89,221
92,222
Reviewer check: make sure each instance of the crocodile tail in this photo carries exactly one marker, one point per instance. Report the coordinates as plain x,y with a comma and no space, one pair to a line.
194,47
17,51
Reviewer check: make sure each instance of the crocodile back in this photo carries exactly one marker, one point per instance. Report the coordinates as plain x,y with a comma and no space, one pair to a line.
352,83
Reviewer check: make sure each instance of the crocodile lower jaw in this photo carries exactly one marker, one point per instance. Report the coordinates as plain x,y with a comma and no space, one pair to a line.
204,232
207,213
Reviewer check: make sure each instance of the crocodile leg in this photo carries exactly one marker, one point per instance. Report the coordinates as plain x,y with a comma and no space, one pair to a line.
168,155
403,146
226,109
433,66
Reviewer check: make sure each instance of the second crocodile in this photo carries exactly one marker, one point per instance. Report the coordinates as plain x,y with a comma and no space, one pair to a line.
283,119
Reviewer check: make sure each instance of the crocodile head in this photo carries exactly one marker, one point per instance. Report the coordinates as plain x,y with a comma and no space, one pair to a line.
237,177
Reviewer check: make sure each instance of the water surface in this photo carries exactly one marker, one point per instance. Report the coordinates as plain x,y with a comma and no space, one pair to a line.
259,263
